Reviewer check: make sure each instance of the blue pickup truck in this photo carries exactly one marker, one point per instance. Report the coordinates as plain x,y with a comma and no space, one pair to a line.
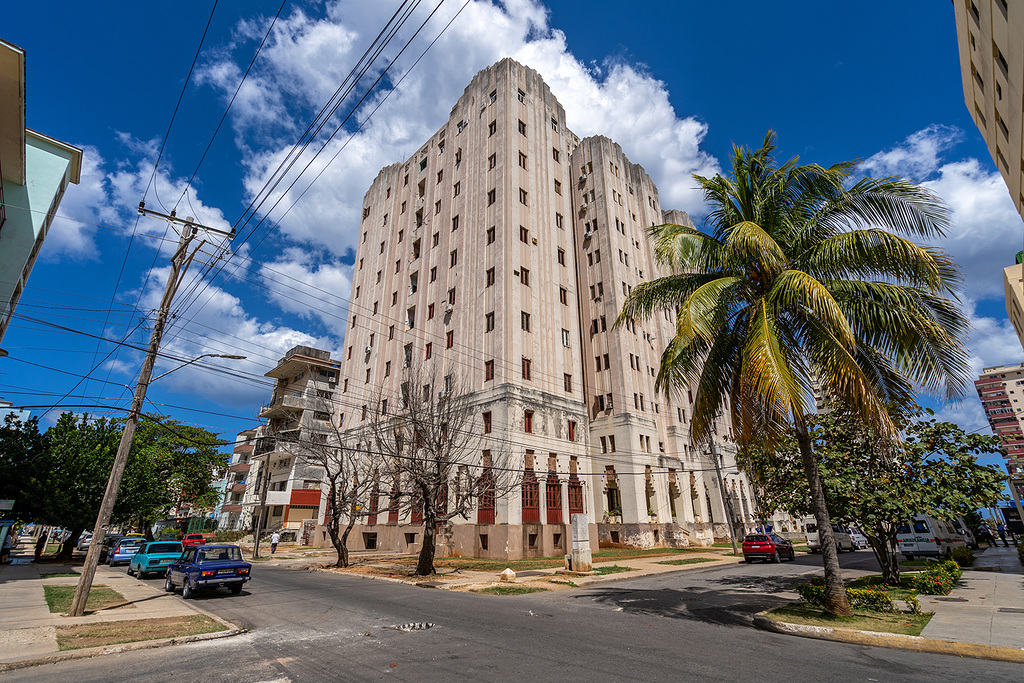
208,566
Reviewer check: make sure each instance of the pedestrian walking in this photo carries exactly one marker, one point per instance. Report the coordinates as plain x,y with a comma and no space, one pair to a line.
274,540
40,545
5,552
1001,530
986,535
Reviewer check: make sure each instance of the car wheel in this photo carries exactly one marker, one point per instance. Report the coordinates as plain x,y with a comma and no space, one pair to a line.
910,558
141,574
792,555
168,586
748,560
129,571
186,590
236,589
775,557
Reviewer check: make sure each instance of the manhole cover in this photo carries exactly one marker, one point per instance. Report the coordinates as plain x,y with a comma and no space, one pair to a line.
412,626
952,599
1011,610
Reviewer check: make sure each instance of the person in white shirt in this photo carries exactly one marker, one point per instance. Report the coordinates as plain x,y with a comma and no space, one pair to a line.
274,540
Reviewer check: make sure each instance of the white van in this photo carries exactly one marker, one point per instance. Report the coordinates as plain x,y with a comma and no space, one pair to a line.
843,539
926,536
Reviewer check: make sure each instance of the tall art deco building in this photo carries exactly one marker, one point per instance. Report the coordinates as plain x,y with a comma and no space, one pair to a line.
502,251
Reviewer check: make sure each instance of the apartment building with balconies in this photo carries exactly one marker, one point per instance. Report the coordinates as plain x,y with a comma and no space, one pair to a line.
283,487
1001,390
501,252
234,515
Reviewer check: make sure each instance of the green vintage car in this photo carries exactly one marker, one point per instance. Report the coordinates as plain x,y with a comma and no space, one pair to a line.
153,558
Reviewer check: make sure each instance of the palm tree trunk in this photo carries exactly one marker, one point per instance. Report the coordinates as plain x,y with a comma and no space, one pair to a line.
835,592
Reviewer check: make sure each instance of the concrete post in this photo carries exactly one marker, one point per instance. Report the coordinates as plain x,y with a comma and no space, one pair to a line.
581,557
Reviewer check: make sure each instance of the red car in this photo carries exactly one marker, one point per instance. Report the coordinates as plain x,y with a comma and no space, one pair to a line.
193,539
768,547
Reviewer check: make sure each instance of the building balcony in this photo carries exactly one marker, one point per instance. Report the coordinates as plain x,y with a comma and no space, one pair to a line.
243,448
231,507
284,406
237,488
278,498
240,467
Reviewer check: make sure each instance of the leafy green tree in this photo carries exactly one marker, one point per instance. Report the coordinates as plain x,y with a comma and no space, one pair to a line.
880,484
21,446
803,279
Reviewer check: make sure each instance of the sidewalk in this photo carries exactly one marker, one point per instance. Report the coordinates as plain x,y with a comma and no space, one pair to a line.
29,628
986,607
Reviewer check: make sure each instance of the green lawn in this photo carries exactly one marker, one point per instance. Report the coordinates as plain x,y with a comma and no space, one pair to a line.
612,569
114,632
48,575
59,598
862,620
687,560
875,581
508,590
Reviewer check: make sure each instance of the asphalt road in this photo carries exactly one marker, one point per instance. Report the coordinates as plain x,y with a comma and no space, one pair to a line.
690,625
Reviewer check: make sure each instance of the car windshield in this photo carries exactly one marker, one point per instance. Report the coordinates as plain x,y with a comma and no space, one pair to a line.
755,538
220,555
920,526
812,527
164,548
129,545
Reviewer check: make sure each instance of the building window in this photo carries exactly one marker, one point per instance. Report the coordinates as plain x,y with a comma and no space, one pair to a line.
454,258
522,196
440,175
429,353
387,369
559,221
490,235
528,421
524,276
430,311
561,256
487,422
433,273
367,376
522,128
491,197
493,96
524,320
572,430
567,381
524,234
555,155
558,187
563,296
490,276
391,332
565,337
451,296
492,128
522,160
437,207
457,188
492,161
526,368
455,223
554,125
449,339
489,322
522,97
488,370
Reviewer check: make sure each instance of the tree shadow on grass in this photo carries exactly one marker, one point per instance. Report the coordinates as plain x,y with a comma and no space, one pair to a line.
727,607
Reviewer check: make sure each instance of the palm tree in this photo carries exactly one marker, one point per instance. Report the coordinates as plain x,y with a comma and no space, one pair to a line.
801,280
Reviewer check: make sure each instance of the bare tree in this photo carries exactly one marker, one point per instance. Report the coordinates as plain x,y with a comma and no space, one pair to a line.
438,461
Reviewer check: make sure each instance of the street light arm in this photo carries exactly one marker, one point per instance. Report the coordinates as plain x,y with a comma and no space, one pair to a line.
205,355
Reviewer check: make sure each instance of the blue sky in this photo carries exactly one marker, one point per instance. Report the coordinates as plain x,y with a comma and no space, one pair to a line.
675,83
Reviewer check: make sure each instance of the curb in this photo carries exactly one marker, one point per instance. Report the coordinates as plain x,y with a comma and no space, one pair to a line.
891,640
90,652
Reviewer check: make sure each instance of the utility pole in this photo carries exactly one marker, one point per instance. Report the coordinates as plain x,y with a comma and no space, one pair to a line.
716,456
180,262
264,484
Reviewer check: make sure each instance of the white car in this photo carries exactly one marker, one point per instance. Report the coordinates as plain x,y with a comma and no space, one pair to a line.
843,540
860,541
926,536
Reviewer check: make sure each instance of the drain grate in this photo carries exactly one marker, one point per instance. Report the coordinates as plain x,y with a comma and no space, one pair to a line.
1011,610
412,626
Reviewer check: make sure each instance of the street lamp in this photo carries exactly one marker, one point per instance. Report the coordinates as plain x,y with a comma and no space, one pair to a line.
120,461
205,355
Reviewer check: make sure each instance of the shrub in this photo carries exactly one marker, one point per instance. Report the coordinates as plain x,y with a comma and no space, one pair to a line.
913,603
865,598
964,556
1020,553
936,581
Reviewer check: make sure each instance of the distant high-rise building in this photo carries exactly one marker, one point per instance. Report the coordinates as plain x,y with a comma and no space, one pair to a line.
1001,390
501,252
34,172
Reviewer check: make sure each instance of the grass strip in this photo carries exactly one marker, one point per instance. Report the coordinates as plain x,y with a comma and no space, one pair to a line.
115,632
612,569
876,582
51,575
59,598
508,590
627,553
862,620
469,564
688,560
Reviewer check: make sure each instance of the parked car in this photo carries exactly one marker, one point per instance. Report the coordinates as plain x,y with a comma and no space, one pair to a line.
125,549
193,540
843,540
768,547
83,542
208,566
154,558
860,541
926,536
108,541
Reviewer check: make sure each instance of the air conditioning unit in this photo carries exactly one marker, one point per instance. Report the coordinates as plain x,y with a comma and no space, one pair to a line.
583,176
448,308
587,235
442,394
369,348
597,299
534,241
583,206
